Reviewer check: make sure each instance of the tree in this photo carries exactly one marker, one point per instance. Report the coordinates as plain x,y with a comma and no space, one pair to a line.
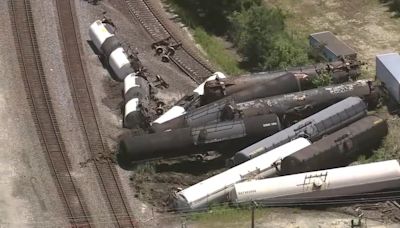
260,36
284,52
395,6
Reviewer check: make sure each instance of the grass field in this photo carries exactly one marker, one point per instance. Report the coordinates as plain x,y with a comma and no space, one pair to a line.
366,25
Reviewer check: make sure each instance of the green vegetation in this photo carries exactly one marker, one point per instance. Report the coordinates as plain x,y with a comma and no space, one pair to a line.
216,51
260,36
145,168
203,32
220,215
394,5
323,79
256,30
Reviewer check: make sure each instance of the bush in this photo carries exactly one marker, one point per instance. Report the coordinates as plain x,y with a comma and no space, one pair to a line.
257,31
212,14
260,36
323,79
395,6
285,52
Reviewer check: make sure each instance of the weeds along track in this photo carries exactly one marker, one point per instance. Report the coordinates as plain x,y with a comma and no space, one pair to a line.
188,60
43,113
386,210
394,211
88,115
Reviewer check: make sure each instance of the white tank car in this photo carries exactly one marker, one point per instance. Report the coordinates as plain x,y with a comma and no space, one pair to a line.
216,188
318,185
111,50
134,88
119,63
117,59
177,110
98,34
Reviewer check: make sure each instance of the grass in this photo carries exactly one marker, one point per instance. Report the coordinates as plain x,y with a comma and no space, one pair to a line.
218,216
390,148
216,52
213,46
145,168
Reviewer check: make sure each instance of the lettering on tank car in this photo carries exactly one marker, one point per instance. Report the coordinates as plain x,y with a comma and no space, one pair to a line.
270,124
269,102
340,89
300,98
246,104
288,96
247,192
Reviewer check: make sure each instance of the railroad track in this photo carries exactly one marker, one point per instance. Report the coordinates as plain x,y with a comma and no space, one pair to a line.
88,115
381,210
43,114
394,211
185,58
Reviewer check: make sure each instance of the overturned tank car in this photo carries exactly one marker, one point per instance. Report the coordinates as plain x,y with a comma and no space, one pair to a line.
313,128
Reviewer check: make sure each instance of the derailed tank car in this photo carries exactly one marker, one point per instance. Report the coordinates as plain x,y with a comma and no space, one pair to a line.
313,128
186,141
337,149
111,50
125,67
306,102
257,85
136,90
300,104
283,84
215,189
251,87
319,185
181,106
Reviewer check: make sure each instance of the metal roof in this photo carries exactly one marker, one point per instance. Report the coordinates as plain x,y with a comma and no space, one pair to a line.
392,63
332,43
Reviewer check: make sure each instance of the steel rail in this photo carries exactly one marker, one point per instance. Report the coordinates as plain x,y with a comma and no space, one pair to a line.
43,114
185,58
88,114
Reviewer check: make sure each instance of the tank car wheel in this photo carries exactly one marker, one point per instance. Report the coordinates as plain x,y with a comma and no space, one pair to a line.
165,58
159,111
159,50
171,51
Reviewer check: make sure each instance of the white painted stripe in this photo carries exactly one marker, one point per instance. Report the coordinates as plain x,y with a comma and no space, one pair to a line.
172,113
117,60
130,82
200,89
131,106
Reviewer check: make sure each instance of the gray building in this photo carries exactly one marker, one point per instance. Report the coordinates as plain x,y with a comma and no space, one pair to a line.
328,46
